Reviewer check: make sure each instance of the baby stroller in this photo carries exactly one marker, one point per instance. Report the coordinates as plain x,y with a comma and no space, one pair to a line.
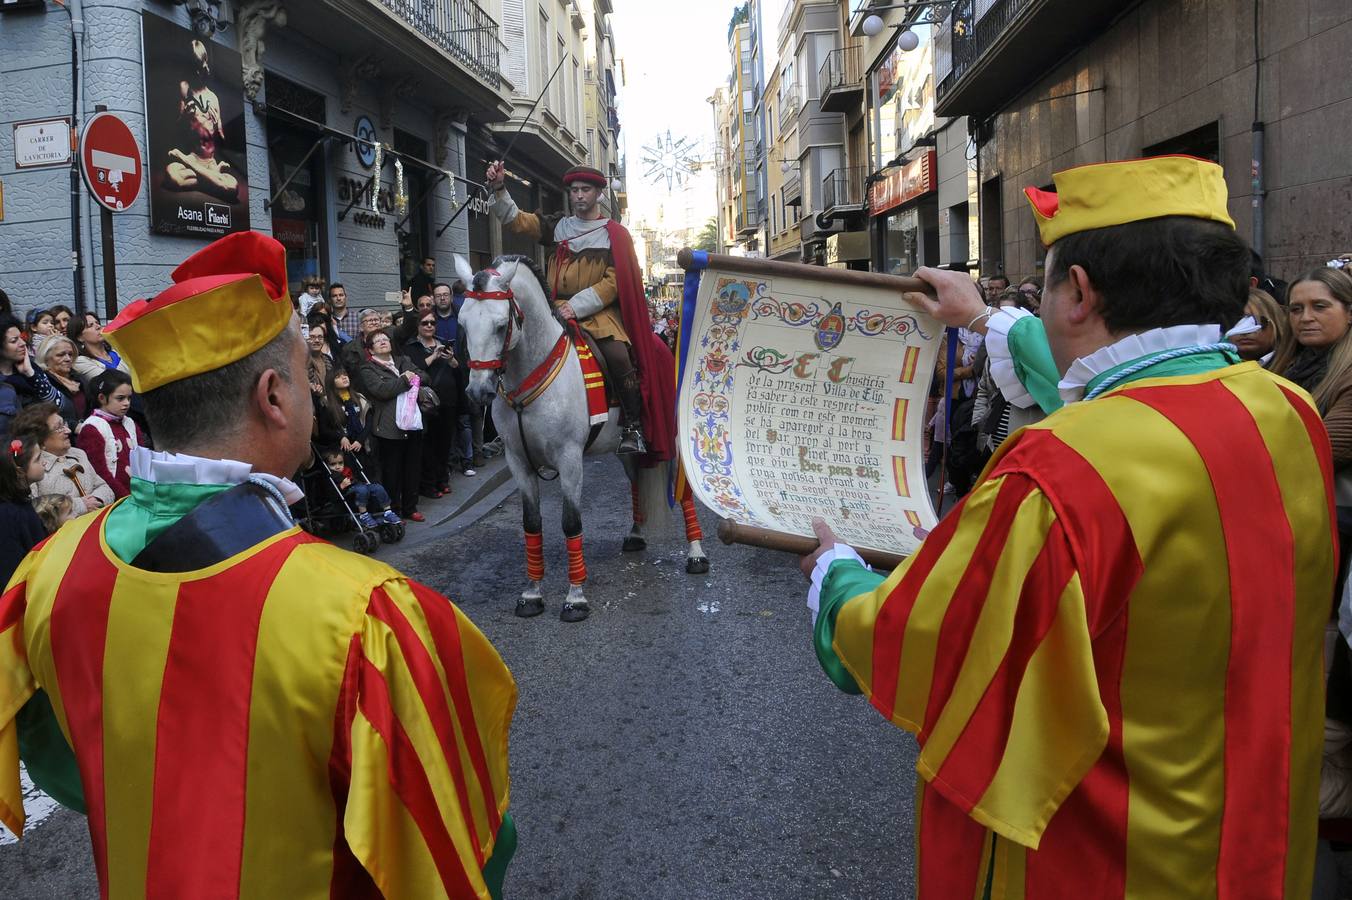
336,515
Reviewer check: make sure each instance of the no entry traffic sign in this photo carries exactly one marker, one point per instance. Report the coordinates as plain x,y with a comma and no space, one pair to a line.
111,162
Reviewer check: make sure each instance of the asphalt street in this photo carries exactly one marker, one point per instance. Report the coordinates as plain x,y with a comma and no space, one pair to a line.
680,743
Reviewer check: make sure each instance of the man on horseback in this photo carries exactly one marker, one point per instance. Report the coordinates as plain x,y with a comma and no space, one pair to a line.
594,278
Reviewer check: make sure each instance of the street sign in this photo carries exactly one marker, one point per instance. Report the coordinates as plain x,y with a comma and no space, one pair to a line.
111,162
43,143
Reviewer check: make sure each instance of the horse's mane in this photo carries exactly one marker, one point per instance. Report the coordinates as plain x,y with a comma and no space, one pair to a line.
530,263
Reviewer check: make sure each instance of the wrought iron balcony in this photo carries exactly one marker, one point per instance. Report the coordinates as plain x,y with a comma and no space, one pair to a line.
843,189
840,82
790,102
461,28
987,50
748,220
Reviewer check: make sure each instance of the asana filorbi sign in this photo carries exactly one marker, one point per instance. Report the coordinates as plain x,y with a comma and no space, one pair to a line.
196,161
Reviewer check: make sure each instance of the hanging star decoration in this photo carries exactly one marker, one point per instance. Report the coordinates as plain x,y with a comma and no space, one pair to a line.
670,160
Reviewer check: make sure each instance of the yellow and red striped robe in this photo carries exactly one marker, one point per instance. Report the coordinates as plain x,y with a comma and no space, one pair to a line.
295,722
1111,651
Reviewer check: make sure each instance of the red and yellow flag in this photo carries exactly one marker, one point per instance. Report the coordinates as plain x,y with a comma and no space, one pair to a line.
296,721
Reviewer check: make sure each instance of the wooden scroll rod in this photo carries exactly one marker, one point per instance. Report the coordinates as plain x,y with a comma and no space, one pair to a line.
752,265
730,532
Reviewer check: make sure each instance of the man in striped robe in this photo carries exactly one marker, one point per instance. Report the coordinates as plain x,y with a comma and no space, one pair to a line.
240,708
1110,652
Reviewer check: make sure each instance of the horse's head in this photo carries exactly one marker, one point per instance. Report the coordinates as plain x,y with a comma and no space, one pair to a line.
492,319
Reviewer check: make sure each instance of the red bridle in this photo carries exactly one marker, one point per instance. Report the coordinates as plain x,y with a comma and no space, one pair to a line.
514,320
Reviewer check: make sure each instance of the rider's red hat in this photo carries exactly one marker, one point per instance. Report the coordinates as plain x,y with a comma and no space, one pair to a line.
587,175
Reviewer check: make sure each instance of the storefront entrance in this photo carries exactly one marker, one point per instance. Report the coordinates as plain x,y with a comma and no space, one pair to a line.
298,215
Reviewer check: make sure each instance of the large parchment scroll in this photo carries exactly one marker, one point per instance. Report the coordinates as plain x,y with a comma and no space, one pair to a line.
803,393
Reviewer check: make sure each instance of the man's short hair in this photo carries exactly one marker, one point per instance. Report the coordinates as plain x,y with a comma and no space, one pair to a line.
994,278
202,408
336,284
440,284
1175,270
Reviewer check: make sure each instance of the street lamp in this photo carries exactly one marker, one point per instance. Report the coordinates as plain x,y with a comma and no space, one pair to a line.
908,40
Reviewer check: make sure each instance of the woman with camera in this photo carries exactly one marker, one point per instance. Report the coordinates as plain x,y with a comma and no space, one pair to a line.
441,372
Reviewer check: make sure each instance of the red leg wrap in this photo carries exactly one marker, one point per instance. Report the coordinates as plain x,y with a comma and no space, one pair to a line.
535,557
633,499
577,566
692,529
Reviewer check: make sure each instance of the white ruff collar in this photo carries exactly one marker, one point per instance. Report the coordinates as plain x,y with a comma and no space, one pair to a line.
1130,348
180,468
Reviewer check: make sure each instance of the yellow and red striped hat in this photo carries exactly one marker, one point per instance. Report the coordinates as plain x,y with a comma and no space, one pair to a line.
1115,193
228,300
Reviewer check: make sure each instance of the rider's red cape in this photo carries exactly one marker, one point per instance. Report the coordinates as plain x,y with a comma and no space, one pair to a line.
656,366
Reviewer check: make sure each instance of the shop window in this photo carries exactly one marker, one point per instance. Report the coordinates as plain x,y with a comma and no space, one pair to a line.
1203,143
297,183
414,243
992,230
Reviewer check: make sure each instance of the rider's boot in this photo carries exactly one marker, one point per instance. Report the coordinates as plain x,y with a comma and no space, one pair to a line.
631,411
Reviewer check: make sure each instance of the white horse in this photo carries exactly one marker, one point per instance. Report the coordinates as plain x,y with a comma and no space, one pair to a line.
513,339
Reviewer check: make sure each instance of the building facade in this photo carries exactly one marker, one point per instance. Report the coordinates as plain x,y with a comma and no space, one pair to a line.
354,132
1058,84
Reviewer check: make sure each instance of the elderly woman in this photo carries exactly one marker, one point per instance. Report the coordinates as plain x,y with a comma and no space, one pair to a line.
96,357
67,470
56,356
385,377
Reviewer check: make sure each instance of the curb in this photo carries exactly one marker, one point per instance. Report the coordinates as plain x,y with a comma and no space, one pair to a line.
492,489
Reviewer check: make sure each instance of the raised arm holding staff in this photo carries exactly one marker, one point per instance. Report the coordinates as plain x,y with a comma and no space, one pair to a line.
1110,651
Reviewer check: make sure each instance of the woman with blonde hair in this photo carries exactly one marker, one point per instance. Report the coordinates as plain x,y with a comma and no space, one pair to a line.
1264,332
1319,359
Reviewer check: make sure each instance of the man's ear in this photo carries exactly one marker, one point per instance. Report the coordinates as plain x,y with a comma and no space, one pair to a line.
1087,301
269,399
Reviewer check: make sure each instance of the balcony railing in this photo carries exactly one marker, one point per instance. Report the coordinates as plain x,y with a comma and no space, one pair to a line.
843,188
747,221
840,81
460,27
975,26
789,104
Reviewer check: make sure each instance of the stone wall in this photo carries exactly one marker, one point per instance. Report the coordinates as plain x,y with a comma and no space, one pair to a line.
1170,66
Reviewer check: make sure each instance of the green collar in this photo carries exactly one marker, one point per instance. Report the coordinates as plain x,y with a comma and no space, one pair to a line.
151,508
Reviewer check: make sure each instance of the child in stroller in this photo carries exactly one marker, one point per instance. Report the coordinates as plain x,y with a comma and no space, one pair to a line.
364,495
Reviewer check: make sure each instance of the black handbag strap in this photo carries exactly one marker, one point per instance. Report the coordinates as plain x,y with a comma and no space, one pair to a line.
230,522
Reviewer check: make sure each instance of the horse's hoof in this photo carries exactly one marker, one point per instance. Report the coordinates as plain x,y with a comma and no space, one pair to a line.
574,612
697,565
634,543
527,607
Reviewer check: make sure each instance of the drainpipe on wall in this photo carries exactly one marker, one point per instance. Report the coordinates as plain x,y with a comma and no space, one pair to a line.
1258,134
84,271
77,249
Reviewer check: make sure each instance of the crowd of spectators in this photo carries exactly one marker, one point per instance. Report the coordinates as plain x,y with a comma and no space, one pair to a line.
67,396
365,363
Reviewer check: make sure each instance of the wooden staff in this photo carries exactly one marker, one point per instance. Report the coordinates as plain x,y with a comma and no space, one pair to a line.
730,532
770,268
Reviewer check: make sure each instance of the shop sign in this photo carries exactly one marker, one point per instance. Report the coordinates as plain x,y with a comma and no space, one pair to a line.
915,179
361,188
44,143
197,164
366,136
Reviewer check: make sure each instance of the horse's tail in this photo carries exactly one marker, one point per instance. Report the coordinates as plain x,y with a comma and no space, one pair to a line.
652,499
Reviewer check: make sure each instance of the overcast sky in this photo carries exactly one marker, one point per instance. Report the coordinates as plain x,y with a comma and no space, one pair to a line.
675,56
